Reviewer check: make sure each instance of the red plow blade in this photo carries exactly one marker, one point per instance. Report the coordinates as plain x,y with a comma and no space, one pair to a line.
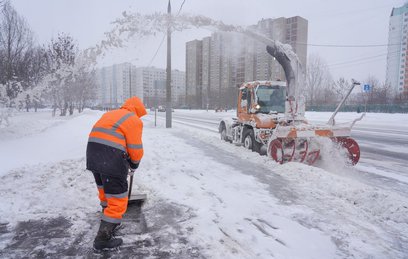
298,144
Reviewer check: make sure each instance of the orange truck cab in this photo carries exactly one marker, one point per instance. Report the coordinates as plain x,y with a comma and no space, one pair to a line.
261,104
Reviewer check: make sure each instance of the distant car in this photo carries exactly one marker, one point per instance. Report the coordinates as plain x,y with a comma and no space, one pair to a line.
161,109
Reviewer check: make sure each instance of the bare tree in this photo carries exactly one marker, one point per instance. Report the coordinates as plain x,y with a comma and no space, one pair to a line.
62,51
341,86
16,41
317,79
85,88
401,98
327,94
371,96
61,56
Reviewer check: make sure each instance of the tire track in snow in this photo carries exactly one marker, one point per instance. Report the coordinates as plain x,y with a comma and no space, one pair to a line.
329,205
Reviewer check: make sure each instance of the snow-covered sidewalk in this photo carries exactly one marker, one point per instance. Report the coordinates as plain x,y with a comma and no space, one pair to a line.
206,199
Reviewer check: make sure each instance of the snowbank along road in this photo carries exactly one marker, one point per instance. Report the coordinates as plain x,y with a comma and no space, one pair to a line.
206,198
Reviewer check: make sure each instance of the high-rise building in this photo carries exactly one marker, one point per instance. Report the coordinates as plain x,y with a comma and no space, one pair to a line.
397,62
118,82
153,82
206,72
194,72
216,65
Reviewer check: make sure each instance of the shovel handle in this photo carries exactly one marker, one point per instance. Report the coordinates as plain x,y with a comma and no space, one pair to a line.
130,186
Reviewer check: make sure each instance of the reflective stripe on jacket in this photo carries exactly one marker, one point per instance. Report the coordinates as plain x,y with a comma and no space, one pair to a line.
120,129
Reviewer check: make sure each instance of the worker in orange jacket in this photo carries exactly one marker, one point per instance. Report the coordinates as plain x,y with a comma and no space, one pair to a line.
114,150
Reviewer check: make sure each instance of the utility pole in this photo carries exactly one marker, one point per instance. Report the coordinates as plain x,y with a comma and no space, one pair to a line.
155,103
168,70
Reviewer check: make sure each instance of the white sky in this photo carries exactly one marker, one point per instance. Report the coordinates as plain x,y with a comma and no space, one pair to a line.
330,22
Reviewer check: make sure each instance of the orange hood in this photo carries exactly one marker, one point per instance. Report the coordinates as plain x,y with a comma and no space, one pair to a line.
134,104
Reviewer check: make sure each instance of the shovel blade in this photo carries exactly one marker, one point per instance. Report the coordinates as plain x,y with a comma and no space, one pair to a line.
137,199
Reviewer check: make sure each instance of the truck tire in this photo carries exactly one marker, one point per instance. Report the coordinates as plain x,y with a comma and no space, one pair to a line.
223,132
249,141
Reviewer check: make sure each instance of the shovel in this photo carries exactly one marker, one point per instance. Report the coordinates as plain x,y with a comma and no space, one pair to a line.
136,200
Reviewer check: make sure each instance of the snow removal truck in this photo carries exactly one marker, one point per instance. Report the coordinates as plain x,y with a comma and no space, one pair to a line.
270,116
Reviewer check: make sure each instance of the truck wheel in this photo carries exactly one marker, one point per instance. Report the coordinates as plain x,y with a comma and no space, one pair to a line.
223,133
250,142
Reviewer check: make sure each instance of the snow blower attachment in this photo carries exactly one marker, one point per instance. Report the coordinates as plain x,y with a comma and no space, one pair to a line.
270,116
295,140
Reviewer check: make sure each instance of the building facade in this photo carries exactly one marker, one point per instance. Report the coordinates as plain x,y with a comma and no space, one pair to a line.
216,65
153,82
118,82
397,62
194,71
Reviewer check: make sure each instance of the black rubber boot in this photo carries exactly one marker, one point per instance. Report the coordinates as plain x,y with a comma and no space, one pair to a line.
117,229
105,238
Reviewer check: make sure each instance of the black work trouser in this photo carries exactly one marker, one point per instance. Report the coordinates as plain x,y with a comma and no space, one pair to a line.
113,194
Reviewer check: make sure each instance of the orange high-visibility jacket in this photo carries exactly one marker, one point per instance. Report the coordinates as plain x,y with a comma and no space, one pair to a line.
121,130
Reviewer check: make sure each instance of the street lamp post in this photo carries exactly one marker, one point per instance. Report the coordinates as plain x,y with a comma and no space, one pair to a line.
168,70
155,103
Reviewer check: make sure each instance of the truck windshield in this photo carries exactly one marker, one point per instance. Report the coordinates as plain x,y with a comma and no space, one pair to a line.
271,98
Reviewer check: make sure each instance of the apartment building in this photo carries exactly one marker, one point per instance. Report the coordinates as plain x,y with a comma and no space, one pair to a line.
397,62
118,82
194,72
216,65
115,84
153,82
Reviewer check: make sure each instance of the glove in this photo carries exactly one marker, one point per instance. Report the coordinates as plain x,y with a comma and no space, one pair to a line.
131,172
132,165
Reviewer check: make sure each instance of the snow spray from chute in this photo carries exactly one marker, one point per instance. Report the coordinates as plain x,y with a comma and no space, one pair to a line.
133,25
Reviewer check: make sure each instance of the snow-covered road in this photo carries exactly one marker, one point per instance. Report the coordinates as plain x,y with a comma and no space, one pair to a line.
206,198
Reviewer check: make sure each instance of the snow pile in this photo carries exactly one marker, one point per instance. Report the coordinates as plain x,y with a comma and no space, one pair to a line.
45,190
47,139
